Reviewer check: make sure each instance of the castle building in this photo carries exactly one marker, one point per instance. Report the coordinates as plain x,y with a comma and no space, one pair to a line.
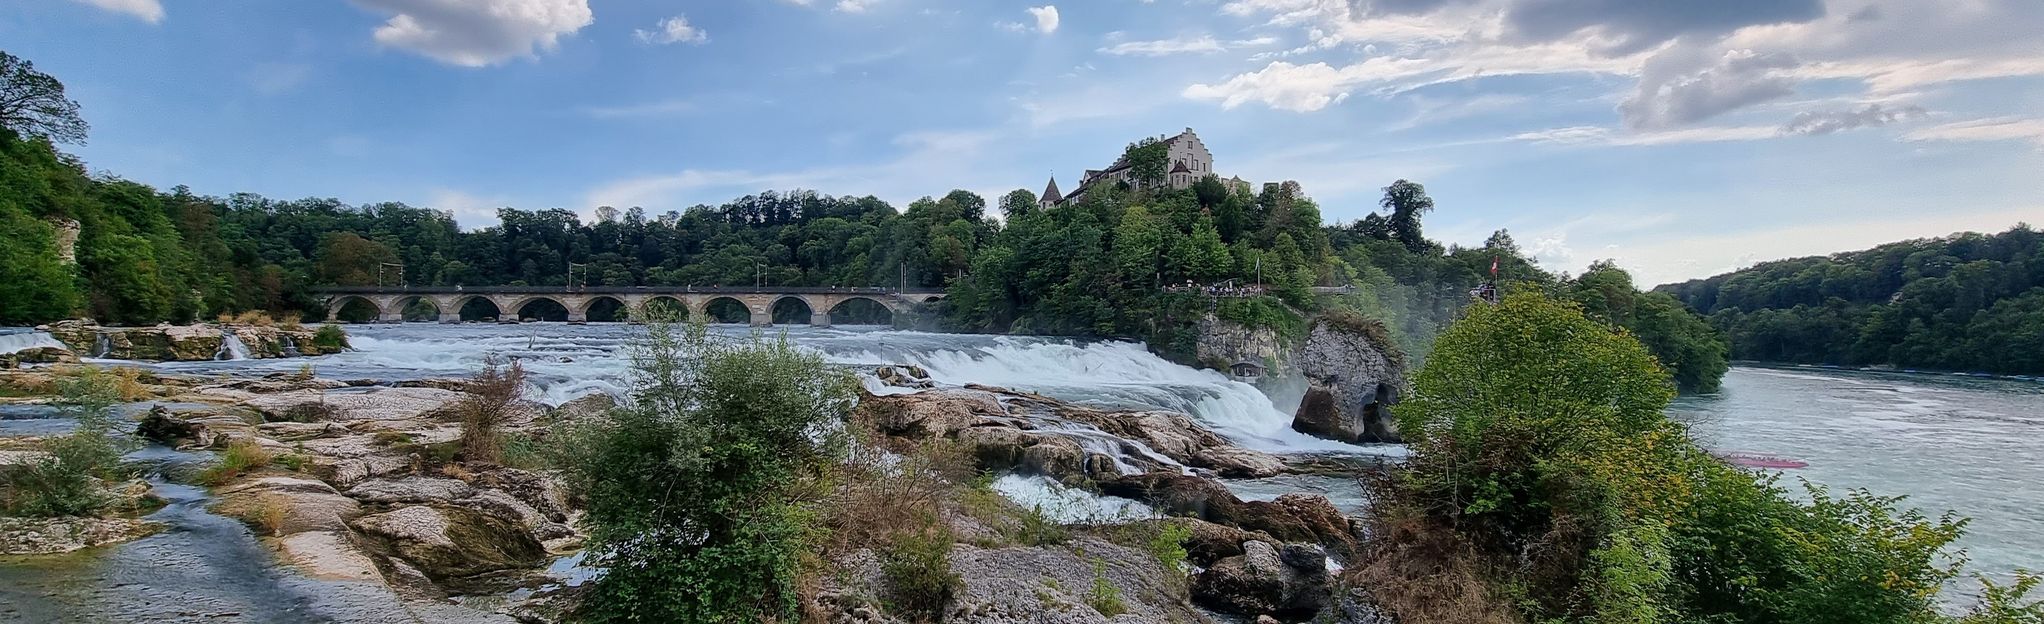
1188,161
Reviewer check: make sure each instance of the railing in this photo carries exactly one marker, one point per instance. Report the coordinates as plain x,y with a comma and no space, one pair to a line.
623,290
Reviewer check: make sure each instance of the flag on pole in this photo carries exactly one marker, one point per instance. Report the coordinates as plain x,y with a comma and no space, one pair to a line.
1493,266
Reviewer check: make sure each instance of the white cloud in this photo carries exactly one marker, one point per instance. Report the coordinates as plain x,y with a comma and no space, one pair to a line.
1681,86
1165,47
852,6
478,33
1593,135
470,211
146,10
1046,18
1996,129
673,30
651,109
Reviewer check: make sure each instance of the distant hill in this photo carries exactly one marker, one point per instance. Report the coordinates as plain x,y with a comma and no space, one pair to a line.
1965,302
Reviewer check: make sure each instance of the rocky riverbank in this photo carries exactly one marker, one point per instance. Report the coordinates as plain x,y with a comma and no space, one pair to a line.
356,485
185,343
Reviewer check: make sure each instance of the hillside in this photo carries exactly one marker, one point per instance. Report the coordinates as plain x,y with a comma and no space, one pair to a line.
1965,302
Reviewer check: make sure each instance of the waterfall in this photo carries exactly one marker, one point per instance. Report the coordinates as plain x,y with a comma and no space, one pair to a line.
290,347
23,341
231,347
102,345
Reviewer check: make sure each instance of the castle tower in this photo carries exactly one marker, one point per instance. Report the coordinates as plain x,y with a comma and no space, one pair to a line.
1051,197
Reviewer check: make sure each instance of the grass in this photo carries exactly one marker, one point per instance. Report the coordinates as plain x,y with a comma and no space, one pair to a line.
257,318
390,438
917,567
1103,596
271,512
241,457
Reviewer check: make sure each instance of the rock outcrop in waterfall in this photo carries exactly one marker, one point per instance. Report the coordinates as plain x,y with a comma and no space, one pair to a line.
1353,375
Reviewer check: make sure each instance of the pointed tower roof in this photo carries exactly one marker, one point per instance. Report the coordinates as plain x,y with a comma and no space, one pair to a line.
1050,192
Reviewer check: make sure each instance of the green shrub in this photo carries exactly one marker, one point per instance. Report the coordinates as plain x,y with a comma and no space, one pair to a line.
2006,604
330,338
917,567
1168,545
1103,596
390,438
736,439
491,401
68,479
1036,527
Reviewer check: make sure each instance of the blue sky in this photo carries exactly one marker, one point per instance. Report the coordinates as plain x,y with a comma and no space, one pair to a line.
1680,138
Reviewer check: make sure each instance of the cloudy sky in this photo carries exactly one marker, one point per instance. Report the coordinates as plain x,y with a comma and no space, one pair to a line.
1681,138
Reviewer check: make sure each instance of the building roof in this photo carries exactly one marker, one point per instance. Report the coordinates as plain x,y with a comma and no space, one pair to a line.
1180,168
1051,192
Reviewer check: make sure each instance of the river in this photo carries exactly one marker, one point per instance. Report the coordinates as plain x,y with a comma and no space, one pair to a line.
1971,445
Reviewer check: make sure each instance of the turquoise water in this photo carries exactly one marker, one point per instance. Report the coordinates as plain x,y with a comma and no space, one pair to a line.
1965,444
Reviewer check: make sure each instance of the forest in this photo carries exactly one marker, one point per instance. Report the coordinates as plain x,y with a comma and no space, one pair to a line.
1966,302
1104,266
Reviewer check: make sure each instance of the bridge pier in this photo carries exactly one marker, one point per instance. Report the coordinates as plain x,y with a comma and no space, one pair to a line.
819,319
761,316
447,316
387,316
576,315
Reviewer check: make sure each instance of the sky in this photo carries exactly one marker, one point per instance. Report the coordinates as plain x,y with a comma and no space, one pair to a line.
1679,138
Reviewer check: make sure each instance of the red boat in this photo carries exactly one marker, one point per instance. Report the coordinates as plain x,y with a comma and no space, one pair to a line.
1751,460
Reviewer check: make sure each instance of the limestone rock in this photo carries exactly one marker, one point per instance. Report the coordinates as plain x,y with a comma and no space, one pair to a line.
281,506
328,556
1221,344
1265,580
1352,379
451,542
412,490
192,429
48,536
348,405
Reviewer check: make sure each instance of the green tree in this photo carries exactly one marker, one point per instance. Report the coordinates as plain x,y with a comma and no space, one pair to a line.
1407,201
33,104
734,436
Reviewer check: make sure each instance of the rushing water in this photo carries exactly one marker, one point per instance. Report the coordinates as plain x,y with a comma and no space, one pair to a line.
1971,445
1965,444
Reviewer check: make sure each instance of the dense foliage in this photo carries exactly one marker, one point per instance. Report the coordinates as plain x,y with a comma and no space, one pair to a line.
1542,458
704,493
1967,302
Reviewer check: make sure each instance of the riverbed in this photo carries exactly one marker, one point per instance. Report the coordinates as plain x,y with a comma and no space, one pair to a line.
1970,445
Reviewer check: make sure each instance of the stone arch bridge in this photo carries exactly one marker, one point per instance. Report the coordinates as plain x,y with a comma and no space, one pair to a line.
511,301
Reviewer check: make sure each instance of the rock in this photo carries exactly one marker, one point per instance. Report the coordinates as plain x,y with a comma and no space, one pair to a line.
542,491
353,404
594,405
1017,585
49,536
451,542
1177,436
195,342
281,506
192,429
1290,518
1221,344
1352,376
1262,581
413,490
328,556
934,413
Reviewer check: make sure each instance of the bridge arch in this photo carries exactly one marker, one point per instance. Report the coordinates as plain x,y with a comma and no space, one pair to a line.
540,307
354,309
604,309
663,307
861,310
726,309
417,308
476,308
792,310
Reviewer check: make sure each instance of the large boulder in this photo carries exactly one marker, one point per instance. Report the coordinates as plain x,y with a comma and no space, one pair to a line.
192,429
49,536
412,490
1353,375
1300,518
1288,582
452,542
279,506
1221,344
345,404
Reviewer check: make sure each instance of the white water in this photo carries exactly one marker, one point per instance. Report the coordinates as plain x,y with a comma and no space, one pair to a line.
569,361
22,341
1068,505
231,347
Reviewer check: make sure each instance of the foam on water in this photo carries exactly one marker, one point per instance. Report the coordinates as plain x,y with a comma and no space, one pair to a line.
21,341
568,361
1068,505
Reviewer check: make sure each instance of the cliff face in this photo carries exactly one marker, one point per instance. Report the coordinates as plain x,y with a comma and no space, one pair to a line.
1225,343
1353,375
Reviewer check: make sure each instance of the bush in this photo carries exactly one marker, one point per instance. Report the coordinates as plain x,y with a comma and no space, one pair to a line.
1168,545
492,401
68,480
241,456
736,438
330,338
1542,465
917,566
